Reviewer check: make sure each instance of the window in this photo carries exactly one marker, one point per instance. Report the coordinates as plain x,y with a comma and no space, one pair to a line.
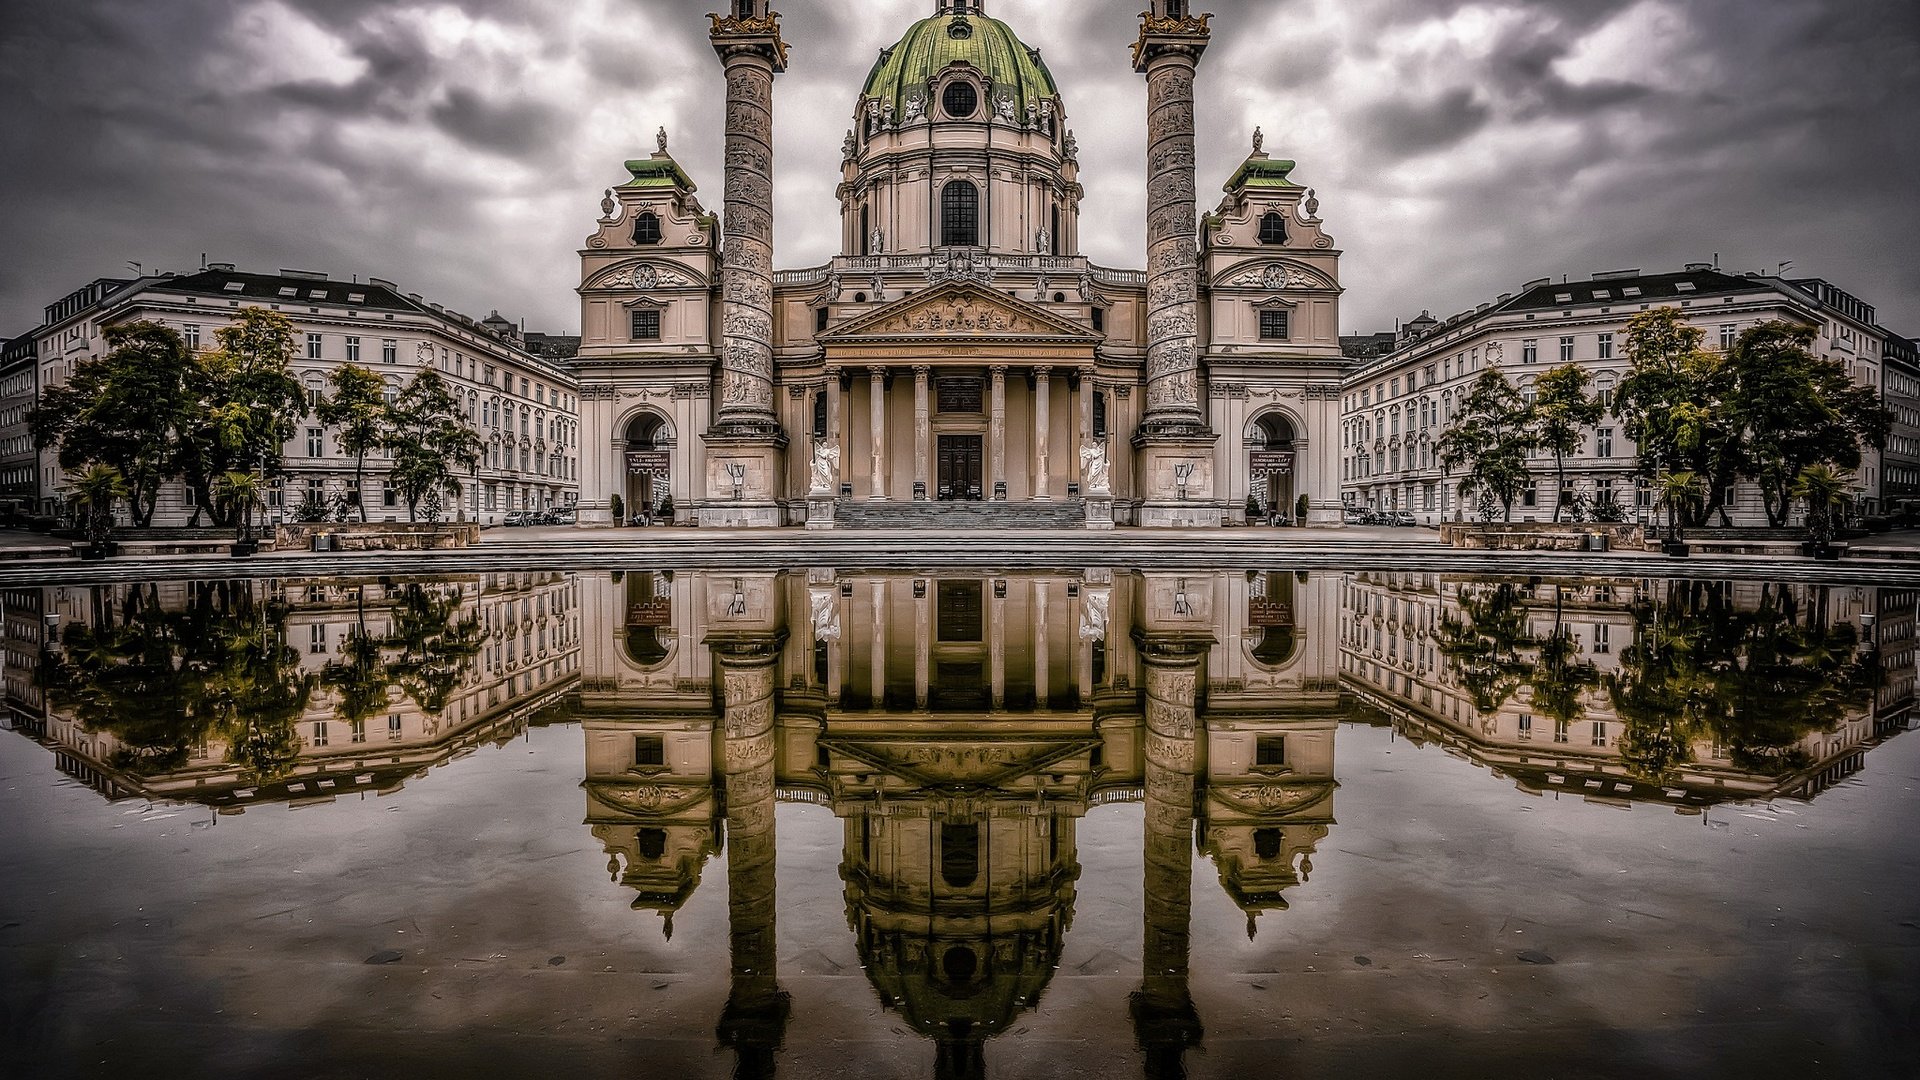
316,442
1099,320
1562,731
819,416
1599,733
959,853
1602,638
960,215
1273,229
1099,412
1273,324
313,346
191,333
646,229
1176,9
393,725
1270,751
866,234
649,751
1530,495
320,733
1727,336
960,100
1566,350
646,324
1526,725
357,730
820,321
1606,346
1603,443
1530,351
389,351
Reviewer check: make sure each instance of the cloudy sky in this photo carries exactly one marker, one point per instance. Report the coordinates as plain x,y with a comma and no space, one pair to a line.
1460,147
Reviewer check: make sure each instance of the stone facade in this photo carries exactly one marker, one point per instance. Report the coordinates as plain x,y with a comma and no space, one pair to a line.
960,349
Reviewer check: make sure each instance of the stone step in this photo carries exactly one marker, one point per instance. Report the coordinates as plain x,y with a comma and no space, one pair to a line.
935,515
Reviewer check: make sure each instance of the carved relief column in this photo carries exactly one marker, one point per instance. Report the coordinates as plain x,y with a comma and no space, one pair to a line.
1042,430
922,432
756,1012
745,446
1164,1019
997,433
877,414
1175,444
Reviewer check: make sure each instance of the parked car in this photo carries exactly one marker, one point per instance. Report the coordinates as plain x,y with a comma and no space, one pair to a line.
516,518
1354,515
1401,519
565,515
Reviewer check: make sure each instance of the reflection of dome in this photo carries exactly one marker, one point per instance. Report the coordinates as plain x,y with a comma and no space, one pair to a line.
988,45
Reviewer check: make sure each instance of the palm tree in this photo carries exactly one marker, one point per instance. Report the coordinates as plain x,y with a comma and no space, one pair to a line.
238,492
1680,494
1824,489
99,486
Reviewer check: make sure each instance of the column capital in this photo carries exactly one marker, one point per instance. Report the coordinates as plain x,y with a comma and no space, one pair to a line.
733,37
1043,371
998,371
1183,36
922,371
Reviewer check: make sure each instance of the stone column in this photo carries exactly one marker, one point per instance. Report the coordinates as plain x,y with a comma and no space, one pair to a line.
922,432
997,648
922,645
1042,660
745,446
1165,1021
877,411
1042,431
1174,441
756,1012
997,433
878,685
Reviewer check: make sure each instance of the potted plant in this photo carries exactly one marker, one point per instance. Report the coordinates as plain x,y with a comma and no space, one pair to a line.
1825,490
1302,507
238,492
1253,509
617,507
666,509
1679,491
97,489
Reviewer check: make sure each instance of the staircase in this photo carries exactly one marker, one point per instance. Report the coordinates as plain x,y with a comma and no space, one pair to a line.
1071,514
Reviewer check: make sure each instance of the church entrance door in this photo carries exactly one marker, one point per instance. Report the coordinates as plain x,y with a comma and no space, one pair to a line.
961,468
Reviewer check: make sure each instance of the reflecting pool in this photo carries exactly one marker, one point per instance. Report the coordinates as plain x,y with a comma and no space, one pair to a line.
1040,824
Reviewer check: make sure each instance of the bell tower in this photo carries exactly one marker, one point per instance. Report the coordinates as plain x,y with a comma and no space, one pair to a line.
1175,444
745,446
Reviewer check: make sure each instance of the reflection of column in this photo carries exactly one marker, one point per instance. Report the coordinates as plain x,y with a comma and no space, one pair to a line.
922,433
922,644
997,433
879,686
877,413
1164,1020
997,646
1042,688
1042,433
756,1013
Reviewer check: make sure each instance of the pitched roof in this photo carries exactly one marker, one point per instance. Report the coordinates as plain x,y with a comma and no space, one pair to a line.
288,289
1632,289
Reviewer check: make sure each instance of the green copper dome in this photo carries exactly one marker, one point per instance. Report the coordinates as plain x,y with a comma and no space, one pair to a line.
1014,71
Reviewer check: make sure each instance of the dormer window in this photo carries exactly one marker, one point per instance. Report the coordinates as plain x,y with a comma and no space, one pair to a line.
646,229
1273,229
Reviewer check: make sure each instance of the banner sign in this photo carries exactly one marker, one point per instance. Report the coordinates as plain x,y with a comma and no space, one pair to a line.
647,463
1271,461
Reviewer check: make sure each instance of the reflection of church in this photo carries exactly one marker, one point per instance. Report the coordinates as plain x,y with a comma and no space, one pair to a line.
960,360
960,726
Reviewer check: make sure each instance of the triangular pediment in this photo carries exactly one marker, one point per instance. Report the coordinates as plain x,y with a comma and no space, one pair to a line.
960,311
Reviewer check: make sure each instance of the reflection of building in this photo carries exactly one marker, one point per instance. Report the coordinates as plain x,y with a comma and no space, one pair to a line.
960,348
1632,690
344,686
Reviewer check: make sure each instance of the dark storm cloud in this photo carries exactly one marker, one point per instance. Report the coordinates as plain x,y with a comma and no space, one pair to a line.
1459,147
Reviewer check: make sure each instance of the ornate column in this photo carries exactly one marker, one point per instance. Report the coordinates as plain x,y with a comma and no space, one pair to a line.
1174,441
997,433
1042,430
756,1013
1164,1019
922,432
745,446
877,413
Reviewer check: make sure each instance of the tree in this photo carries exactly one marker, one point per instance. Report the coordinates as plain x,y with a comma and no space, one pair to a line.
237,493
98,487
1489,438
1795,410
358,407
1562,411
125,409
431,442
245,403
1483,643
1674,404
436,650
1825,490
1680,497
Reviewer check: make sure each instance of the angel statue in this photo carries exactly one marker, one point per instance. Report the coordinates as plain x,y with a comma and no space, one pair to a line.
661,138
826,469
1259,140
1094,467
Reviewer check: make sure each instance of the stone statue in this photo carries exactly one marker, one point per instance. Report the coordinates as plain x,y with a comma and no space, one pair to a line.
607,205
826,469
877,242
1043,241
849,148
661,138
1040,287
1259,141
1070,149
1005,110
879,288
1313,205
1095,468
835,286
1086,288
826,613
915,109
1095,604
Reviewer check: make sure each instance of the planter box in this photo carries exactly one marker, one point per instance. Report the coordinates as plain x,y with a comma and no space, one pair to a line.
1544,536
377,536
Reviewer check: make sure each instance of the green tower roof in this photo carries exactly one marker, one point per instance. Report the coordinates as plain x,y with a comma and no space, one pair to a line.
933,45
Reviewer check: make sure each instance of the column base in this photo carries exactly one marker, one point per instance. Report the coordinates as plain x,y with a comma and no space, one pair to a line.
743,478
1099,513
1176,482
1178,515
820,512
741,516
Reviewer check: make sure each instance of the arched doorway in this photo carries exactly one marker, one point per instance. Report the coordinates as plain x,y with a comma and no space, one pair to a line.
1270,612
1271,462
648,465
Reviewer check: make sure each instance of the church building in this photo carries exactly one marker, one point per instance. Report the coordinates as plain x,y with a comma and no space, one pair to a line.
960,362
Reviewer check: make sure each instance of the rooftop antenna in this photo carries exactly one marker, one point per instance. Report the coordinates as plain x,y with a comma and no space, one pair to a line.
1716,260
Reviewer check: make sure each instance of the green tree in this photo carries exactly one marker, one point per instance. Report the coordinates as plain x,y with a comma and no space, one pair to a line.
1560,682
237,493
436,649
97,488
1675,405
431,442
1826,491
1562,411
245,406
125,409
1483,642
1488,440
358,407
1796,410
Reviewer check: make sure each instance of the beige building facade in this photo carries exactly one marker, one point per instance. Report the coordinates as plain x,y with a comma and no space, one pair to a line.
960,360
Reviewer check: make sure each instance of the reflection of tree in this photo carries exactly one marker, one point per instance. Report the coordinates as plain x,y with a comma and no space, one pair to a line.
1559,683
1756,681
436,651
1483,644
360,678
163,682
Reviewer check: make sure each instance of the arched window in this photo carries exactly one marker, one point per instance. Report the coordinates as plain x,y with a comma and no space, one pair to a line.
646,229
960,214
1273,229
